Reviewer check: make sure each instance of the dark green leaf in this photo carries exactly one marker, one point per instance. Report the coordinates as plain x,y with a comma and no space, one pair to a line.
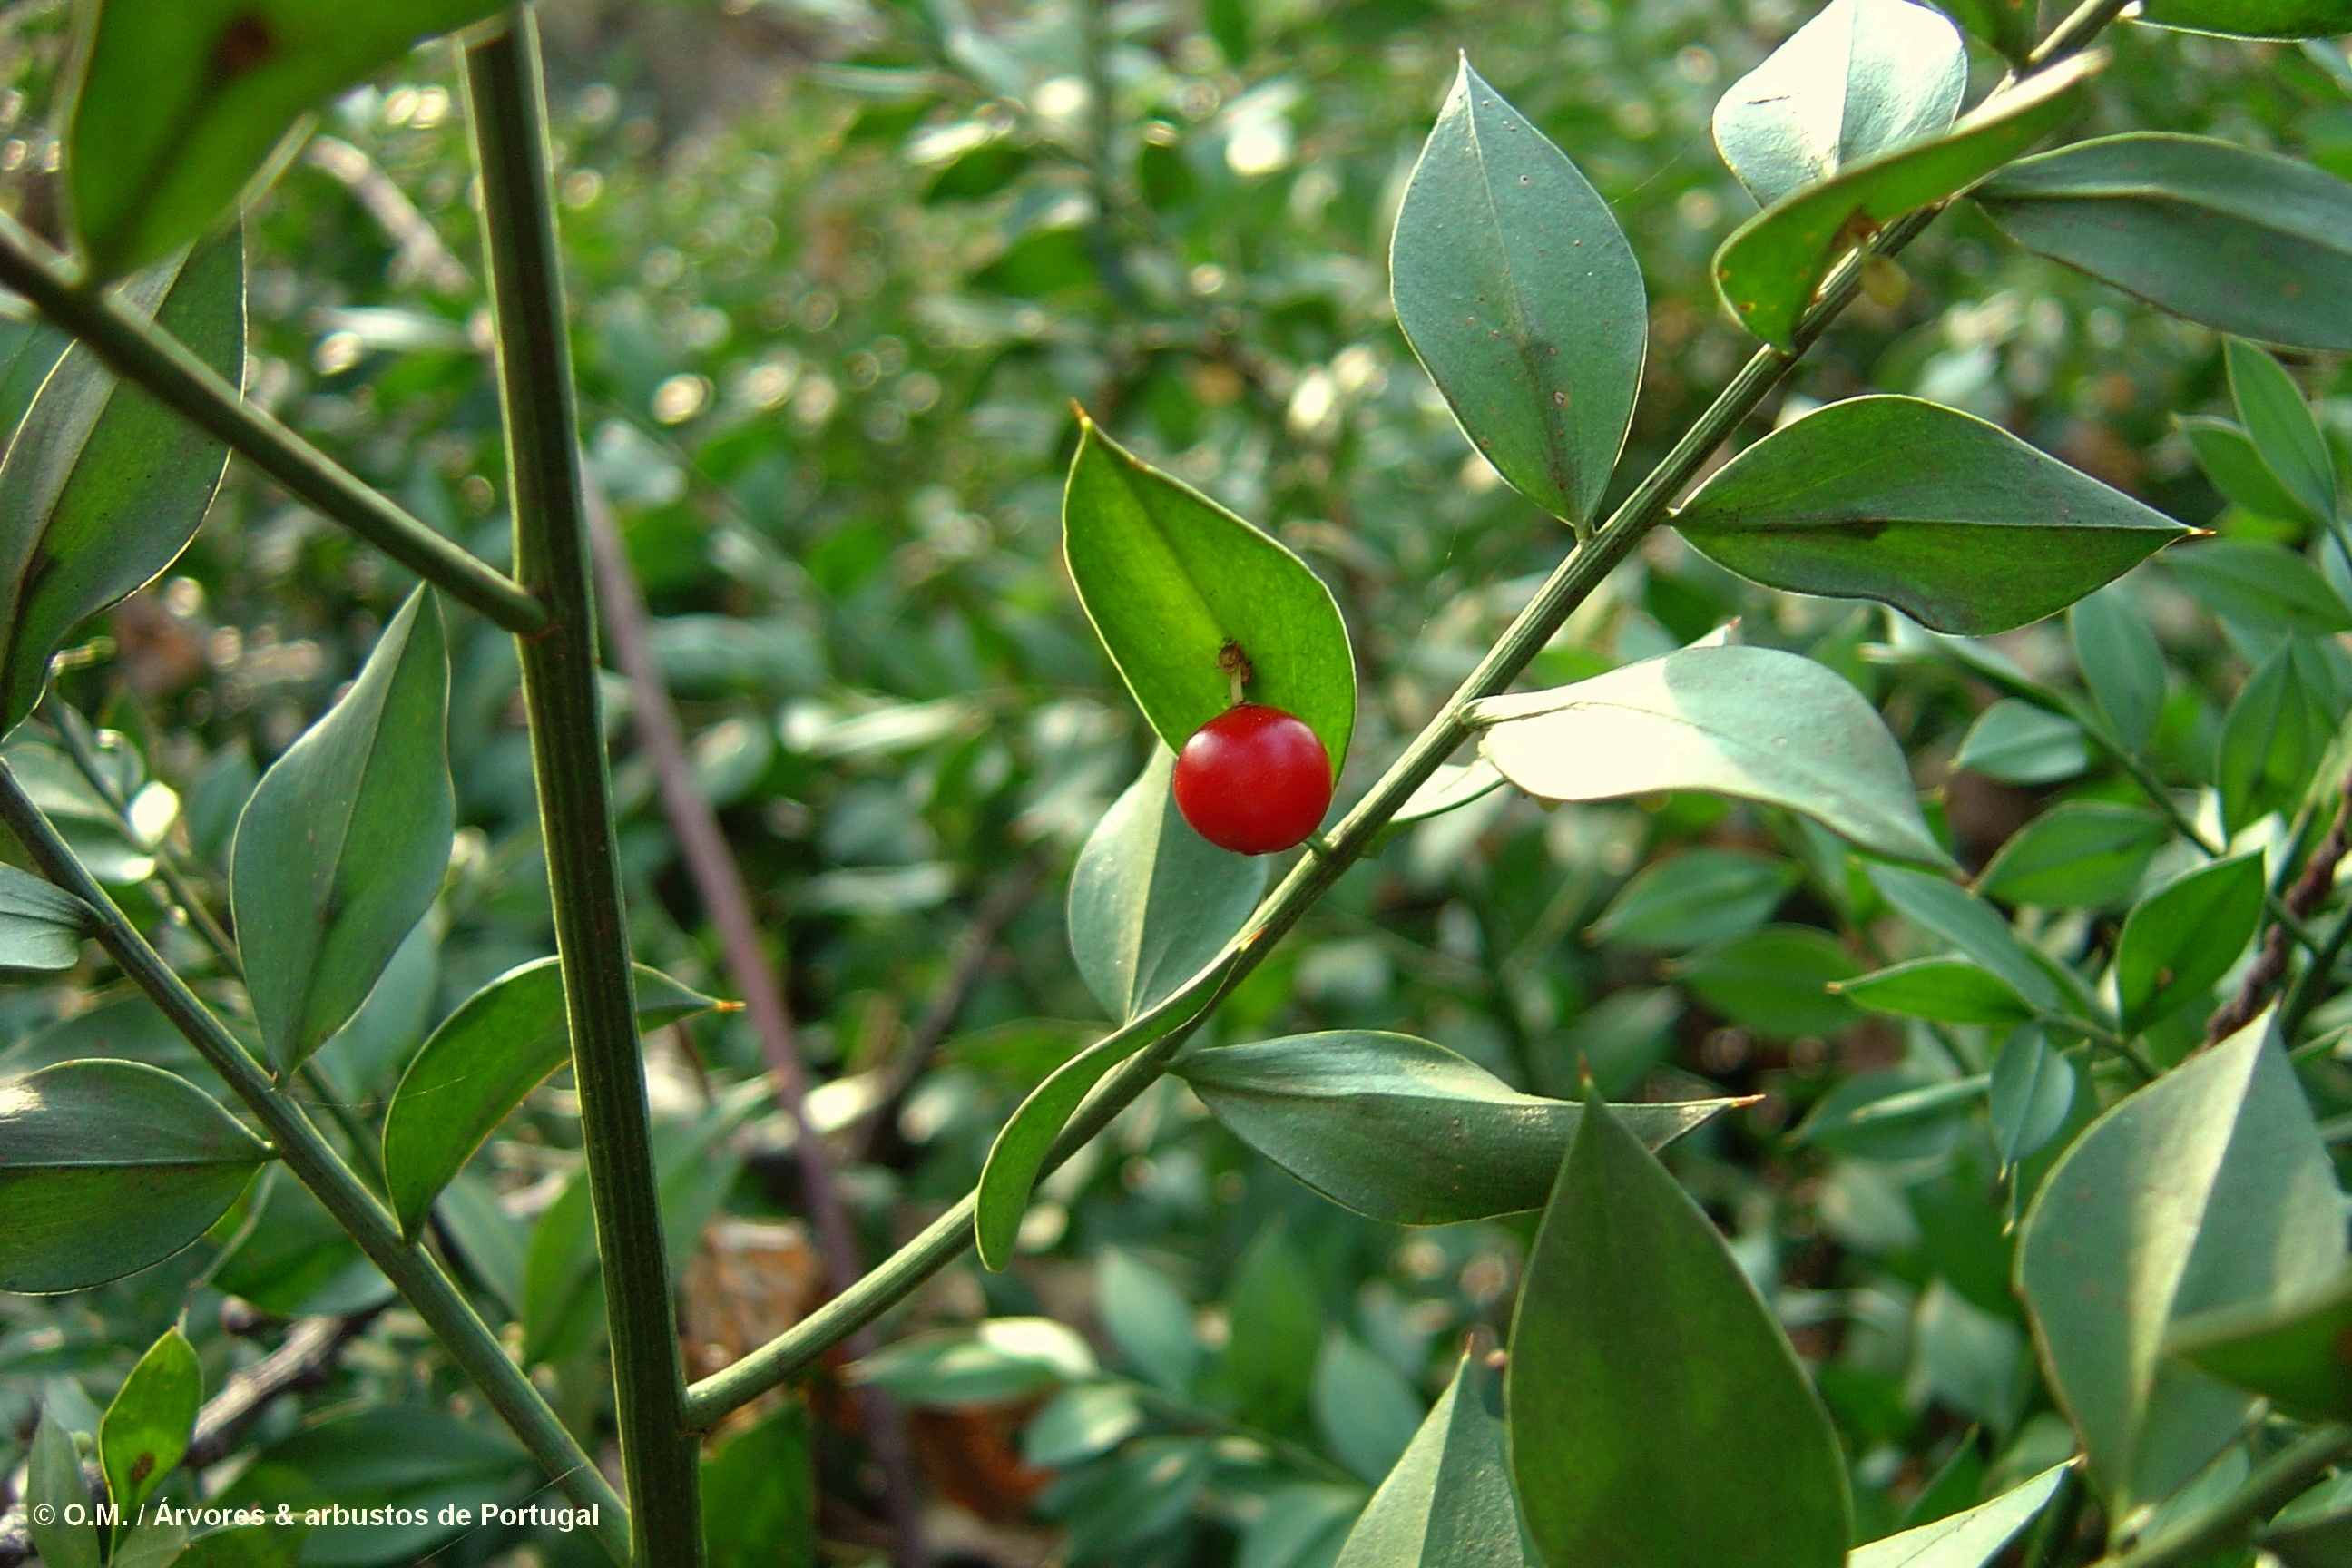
155,1545
295,1260
2253,18
147,1427
1949,990
1274,1323
1966,1540
2108,1259
499,1045
41,927
2230,459
346,840
2186,935
1517,289
2006,24
1151,900
1769,269
1403,1130
1365,1411
180,103
1775,981
2243,241
2022,742
2291,1351
102,486
1953,520
2120,661
1658,1417
2286,435
1697,896
1977,929
246,1546
2082,854
1447,1504
53,1484
1889,1116
758,1495
2315,1530
1148,1319
2031,1092
1863,77
2276,734
1749,721
109,1166
1170,578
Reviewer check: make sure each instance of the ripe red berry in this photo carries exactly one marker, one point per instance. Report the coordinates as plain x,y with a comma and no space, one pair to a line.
1254,780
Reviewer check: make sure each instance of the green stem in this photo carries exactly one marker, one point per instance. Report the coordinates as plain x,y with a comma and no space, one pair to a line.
1569,584
2274,1483
660,1459
435,1298
151,359
2311,985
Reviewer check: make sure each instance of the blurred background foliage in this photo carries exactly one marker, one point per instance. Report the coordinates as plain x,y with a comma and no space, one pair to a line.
838,270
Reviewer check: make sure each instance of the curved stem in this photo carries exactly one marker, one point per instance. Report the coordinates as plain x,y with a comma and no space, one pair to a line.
435,1298
152,361
1569,584
659,1458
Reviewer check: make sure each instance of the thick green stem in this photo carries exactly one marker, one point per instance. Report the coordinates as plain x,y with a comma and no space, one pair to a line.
2275,1482
151,359
470,1341
660,1459
1569,584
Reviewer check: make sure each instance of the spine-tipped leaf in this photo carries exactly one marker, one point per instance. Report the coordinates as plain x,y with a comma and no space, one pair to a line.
1517,289
1955,522
343,844
1446,1503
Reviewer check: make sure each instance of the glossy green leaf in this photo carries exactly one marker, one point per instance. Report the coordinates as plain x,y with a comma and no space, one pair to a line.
2080,854
109,1166
1403,1130
1971,1538
2030,1095
181,102
1953,520
1658,1417
2110,1259
758,1495
41,927
2274,734
1169,578
155,1545
2243,241
1949,990
1151,900
1148,1319
2286,434
2231,460
2253,18
2260,585
1891,1116
1775,981
2120,661
1768,272
1696,897
1001,1359
1863,77
2315,1530
344,842
103,487
1747,721
1976,928
147,1427
1365,1412
53,1484
499,1044
2007,25
2186,935
2290,1352
1447,1503
1517,289
1081,1421
2024,742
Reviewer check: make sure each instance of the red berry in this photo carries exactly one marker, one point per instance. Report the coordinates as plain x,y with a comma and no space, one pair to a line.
1254,780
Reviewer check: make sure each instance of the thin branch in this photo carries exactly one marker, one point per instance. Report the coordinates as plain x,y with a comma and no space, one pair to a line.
506,111
2308,893
718,881
470,1341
